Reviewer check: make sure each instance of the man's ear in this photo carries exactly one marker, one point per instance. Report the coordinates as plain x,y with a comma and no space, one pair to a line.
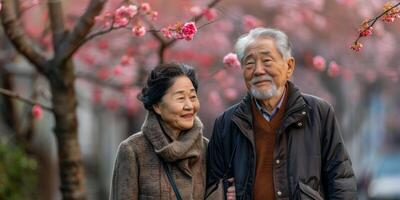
291,66
156,108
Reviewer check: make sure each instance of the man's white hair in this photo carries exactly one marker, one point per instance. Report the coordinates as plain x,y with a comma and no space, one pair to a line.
281,41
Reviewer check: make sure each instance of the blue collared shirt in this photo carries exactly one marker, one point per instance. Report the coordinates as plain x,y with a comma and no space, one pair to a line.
268,116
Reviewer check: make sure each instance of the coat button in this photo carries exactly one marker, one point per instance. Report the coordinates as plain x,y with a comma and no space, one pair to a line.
278,161
303,113
279,193
299,124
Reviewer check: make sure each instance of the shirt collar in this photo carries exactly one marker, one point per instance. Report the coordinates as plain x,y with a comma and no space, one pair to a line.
265,113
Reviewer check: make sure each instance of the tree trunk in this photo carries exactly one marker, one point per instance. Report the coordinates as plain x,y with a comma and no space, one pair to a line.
66,124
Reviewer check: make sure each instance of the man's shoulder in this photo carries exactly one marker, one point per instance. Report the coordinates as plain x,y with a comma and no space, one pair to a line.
316,102
228,113
317,105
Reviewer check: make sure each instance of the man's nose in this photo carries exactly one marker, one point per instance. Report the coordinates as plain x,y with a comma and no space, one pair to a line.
259,68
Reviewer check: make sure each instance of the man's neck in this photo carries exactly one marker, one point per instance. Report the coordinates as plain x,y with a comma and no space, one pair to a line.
271,103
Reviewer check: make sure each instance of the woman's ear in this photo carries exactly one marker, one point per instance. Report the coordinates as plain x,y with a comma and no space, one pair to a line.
156,108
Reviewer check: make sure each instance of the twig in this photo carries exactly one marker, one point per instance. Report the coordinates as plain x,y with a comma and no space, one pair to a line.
374,20
25,100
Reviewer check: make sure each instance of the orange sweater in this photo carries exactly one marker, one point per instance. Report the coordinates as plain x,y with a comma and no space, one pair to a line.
264,137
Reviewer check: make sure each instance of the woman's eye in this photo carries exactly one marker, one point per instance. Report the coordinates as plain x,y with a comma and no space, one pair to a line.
193,97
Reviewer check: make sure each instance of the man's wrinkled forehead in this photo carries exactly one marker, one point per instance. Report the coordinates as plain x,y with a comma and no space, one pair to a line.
257,46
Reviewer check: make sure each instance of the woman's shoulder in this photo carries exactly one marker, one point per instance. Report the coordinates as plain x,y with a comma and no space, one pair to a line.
135,142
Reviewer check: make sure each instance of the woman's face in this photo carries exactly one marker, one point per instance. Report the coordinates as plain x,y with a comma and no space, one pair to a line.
179,105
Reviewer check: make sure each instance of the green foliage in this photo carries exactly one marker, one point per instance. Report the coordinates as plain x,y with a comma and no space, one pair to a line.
18,172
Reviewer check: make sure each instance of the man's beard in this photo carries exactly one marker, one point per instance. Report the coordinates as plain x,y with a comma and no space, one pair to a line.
263,94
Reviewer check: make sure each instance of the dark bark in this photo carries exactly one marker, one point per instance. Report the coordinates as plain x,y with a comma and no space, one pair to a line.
69,156
59,72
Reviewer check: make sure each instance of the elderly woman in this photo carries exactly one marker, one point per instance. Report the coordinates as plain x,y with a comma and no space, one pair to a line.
166,160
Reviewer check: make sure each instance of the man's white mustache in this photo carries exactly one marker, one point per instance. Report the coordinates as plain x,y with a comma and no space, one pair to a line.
261,78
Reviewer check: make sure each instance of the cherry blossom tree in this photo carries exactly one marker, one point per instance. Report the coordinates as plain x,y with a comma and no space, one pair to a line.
52,56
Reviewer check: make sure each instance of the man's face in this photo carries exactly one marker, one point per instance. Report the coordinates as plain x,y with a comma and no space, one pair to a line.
265,70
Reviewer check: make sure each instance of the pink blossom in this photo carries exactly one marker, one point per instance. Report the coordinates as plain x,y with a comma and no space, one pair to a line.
145,7
231,60
346,2
96,95
126,60
35,2
250,22
366,32
105,19
139,31
220,75
131,102
231,94
103,44
123,14
112,104
333,69
103,74
319,63
210,14
153,15
131,10
189,30
195,10
37,112
1,6
214,98
117,70
356,46
166,33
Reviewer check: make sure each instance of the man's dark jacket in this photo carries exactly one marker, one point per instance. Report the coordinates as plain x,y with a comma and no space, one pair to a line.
310,160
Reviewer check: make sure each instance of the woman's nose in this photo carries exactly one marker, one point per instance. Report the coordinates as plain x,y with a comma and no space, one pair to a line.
188,105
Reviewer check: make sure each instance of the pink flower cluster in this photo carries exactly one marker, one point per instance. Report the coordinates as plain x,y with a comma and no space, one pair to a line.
209,13
250,22
319,63
231,60
180,31
124,14
37,112
366,32
392,14
357,46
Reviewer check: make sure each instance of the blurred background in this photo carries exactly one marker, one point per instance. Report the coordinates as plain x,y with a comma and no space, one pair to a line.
111,68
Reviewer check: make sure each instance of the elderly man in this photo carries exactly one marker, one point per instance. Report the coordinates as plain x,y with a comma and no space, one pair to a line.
278,143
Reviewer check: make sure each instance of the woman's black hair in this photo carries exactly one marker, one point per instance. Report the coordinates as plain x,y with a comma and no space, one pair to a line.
161,78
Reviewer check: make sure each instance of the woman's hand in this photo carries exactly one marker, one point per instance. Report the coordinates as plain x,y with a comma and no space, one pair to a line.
231,194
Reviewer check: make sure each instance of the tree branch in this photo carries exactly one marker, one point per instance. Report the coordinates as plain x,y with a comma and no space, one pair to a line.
108,84
25,100
18,38
165,45
76,38
56,17
372,21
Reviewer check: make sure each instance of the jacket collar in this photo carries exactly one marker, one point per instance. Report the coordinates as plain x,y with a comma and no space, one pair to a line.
243,117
